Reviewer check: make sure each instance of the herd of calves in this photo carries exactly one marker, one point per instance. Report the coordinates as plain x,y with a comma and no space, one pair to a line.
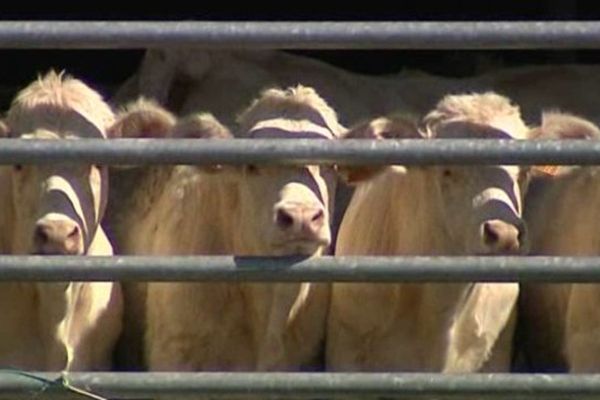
271,211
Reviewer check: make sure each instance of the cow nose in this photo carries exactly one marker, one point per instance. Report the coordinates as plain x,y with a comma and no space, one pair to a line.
300,219
57,237
501,237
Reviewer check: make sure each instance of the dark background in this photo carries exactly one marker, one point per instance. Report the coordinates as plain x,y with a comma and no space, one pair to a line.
304,10
106,69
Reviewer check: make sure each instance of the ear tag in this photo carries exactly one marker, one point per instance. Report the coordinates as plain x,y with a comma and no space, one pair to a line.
551,170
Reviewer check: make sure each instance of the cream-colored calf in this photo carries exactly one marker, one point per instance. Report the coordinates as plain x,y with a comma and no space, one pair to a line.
56,209
559,322
451,210
251,210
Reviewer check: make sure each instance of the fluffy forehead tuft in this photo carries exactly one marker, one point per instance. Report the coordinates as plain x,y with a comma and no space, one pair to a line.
201,125
486,108
143,118
294,103
146,105
51,101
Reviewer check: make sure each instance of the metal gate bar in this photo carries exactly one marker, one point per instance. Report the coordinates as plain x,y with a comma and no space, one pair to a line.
302,385
301,35
301,151
295,269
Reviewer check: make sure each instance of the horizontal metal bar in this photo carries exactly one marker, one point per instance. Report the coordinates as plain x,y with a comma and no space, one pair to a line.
301,151
302,35
294,269
303,385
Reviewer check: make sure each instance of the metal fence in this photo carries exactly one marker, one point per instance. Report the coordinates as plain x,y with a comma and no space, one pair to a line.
296,269
302,35
314,35
303,151
300,386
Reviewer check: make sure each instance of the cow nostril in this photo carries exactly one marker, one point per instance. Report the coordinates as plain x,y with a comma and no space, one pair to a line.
284,219
74,233
521,236
41,236
501,236
318,216
490,235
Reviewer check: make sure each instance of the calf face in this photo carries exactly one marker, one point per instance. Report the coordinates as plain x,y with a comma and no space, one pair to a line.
477,208
481,205
56,207
275,210
285,210
481,208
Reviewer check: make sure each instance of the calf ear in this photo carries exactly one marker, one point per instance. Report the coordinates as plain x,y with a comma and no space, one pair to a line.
549,171
561,126
142,119
552,171
397,127
202,126
564,126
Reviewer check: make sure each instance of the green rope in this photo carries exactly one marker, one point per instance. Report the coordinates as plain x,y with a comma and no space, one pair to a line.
61,382
75,389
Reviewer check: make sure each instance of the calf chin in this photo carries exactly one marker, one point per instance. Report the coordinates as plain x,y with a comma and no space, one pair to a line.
300,248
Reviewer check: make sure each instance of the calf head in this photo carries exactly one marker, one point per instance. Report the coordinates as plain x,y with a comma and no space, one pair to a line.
57,207
480,206
475,210
286,209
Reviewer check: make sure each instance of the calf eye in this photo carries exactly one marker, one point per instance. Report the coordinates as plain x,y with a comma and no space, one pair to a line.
447,173
18,167
251,169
